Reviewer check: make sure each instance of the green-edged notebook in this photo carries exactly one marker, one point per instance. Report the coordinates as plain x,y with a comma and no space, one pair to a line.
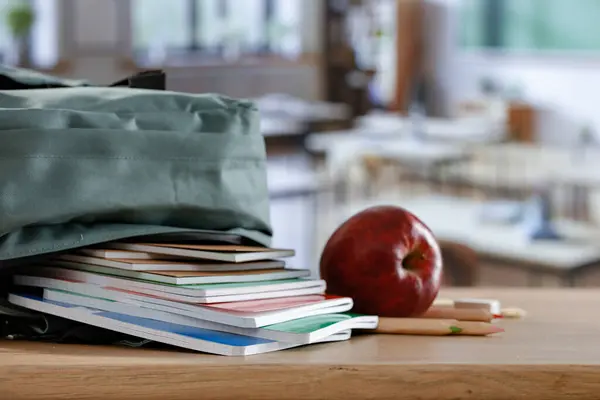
305,330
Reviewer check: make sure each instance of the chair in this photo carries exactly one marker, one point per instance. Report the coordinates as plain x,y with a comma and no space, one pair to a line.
461,264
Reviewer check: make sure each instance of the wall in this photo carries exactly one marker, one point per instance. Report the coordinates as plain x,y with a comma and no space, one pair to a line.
566,89
94,35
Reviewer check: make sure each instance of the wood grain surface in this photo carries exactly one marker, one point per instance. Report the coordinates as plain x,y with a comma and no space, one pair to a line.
554,353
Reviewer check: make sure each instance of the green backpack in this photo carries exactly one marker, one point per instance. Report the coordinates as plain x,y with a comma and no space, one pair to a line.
81,165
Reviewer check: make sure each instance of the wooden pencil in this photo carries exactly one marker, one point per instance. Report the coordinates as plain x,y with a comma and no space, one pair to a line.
415,326
435,327
459,314
472,328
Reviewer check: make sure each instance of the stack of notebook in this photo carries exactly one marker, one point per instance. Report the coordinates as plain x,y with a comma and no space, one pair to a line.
221,299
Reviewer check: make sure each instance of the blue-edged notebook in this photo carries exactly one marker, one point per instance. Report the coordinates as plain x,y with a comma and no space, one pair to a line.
306,330
193,338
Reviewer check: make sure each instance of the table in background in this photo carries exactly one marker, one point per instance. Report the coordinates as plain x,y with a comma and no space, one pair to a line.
470,130
286,120
423,160
514,169
505,245
551,354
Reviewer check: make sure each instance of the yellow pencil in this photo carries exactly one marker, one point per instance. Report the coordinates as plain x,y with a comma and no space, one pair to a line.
435,327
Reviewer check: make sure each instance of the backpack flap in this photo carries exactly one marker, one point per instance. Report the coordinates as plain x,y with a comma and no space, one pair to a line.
82,166
155,79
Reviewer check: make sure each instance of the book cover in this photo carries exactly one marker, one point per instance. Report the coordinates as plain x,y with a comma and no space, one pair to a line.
202,252
222,248
204,340
227,313
198,294
195,290
304,330
187,277
266,305
125,254
171,265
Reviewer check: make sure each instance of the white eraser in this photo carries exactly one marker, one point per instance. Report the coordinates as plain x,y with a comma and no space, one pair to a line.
493,306
442,302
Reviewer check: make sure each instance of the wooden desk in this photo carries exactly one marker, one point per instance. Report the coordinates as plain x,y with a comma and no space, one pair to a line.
552,354
459,220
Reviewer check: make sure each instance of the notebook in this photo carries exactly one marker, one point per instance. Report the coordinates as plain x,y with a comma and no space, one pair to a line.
188,277
125,254
227,253
304,330
164,265
246,314
208,293
203,340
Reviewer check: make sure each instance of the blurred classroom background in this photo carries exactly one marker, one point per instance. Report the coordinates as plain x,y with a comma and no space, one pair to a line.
481,116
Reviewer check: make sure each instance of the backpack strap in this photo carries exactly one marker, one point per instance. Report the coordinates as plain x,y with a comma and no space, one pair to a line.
9,83
153,79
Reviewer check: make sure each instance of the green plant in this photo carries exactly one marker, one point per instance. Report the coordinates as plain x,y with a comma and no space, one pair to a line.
20,19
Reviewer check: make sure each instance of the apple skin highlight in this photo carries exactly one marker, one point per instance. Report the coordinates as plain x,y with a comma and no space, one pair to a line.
386,259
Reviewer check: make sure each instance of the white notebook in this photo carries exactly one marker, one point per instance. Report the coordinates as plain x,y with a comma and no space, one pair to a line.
170,265
228,253
304,330
188,277
204,293
125,254
245,314
203,340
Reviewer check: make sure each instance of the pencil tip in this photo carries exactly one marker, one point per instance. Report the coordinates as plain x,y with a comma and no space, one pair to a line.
496,329
498,316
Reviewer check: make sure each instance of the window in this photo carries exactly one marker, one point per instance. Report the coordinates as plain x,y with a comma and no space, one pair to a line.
5,36
372,33
386,15
44,35
215,29
525,25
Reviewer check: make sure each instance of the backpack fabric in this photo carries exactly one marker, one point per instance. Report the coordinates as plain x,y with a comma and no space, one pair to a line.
82,165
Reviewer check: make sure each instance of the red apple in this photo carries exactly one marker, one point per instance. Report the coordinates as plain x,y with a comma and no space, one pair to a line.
386,259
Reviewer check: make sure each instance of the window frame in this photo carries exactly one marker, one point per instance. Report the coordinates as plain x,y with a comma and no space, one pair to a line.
193,51
497,51
58,63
